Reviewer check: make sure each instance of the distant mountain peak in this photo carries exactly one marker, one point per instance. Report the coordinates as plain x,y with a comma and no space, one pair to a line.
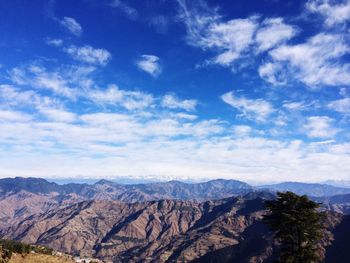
104,181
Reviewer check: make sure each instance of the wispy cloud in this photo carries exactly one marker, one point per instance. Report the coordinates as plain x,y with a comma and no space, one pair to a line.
205,29
13,116
129,11
341,105
172,102
88,54
71,25
273,73
272,32
258,109
320,127
318,61
56,42
160,23
149,64
294,105
231,39
42,79
334,12
70,118
131,100
58,115
54,138
314,63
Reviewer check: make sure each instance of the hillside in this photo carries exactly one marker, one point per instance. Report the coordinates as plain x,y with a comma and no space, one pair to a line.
84,220
18,252
158,231
104,189
39,258
23,197
181,222
337,203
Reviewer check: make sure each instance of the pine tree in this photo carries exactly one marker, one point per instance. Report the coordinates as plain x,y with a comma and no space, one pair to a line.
298,227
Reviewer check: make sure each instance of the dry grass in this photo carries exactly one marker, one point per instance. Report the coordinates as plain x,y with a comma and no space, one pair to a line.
39,258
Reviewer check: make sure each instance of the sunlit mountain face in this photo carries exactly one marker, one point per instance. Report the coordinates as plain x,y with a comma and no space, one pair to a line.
253,90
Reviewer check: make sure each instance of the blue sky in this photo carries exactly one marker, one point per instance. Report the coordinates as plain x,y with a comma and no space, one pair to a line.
249,90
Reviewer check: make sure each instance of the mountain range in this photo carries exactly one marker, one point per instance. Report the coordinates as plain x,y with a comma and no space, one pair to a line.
214,221
312,190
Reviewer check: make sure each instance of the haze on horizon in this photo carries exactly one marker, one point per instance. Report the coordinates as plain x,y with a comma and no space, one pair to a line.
252,90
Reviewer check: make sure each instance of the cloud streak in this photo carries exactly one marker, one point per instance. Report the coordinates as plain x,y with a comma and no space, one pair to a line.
149,64
88,54
71,25
258,109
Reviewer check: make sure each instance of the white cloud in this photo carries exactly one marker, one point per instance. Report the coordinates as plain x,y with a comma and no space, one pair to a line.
343,92
131,100
320,127
149,64
58,115
294,105
100,132
169,145
185,116
54,42
172,102
13,116
334,12
123,140
341,105
258,109
38,77
232,39
22,99
236,42
242,130
273,32
112,95
13,96
273,73
205,29
315,62
88,54
129,11
71,25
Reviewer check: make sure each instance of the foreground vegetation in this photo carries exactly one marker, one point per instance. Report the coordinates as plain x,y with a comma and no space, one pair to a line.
12,251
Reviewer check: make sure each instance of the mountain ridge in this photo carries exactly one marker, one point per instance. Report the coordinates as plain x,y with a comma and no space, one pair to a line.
158,222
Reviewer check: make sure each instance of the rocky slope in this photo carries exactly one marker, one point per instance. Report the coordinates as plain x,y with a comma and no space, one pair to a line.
157,231
104,189
337,203
225,230
22,197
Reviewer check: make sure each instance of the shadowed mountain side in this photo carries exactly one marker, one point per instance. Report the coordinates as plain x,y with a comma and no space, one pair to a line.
339,250
255,245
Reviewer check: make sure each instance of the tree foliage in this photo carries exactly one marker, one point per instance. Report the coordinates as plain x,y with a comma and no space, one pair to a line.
298,227
7,247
